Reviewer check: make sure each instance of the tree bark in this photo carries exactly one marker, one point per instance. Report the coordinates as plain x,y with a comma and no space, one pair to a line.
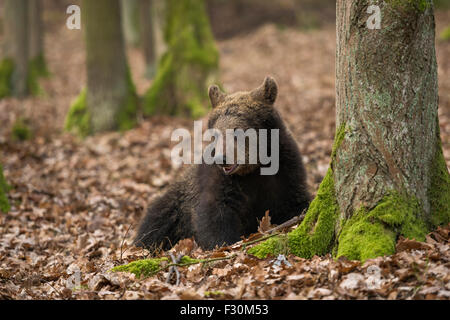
147,36
189,65
110,101
14,54
387,177
130,21
36,39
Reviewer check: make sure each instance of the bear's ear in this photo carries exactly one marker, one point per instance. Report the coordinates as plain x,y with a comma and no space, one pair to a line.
267,92
215,95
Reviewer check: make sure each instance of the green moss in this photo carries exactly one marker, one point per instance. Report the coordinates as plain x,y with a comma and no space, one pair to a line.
418,5
188,66
445,34
149,267
339,137
271,247
6,71
439,190
78,118
4,188
372,233
315,234
142,268
20,131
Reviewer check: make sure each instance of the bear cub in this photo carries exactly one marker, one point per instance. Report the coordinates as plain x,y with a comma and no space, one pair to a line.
218,203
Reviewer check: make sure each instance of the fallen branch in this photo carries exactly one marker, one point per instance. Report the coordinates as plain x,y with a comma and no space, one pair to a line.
295,220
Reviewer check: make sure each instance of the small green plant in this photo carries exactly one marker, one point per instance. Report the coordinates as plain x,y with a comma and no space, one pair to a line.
20,130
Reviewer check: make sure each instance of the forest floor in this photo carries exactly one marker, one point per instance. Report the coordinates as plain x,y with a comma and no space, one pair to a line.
76,204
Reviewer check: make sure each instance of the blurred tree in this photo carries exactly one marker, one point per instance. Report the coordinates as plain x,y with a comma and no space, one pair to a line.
147,36
158,14
189,65
109,102
4,204
130,21
15,78
387,177
36,41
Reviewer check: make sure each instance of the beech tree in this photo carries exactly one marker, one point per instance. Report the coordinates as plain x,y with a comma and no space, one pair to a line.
130,21
387,176
109,102
189,65
158,17
15,77
36,39
147,36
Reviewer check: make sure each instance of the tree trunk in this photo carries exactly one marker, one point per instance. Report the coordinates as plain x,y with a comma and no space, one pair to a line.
387,177
189,65
4,204
130,21
159,15
14,54
36,42
110,100
147,36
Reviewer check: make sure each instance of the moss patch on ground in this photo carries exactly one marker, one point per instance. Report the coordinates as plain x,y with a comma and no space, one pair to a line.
150,267
4,188
144,268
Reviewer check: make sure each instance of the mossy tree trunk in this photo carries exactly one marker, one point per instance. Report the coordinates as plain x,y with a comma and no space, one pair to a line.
387,176
36,41
109,102
189,65
14,71
147,36
130,21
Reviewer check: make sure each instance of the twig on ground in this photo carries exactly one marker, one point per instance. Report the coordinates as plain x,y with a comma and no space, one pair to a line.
173,268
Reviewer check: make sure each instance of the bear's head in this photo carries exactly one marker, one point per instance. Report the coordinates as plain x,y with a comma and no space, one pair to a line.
243,110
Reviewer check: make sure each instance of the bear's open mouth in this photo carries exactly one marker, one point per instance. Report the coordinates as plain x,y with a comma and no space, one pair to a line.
229,169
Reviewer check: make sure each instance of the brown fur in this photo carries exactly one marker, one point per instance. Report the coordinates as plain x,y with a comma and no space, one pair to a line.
217,208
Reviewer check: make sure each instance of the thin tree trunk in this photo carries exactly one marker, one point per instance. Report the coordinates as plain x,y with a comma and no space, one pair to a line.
387,177
130,21
36,38
189,65
109,102
14,53
147,36
159,15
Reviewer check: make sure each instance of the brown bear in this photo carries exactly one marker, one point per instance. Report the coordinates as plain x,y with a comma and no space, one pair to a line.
218,203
